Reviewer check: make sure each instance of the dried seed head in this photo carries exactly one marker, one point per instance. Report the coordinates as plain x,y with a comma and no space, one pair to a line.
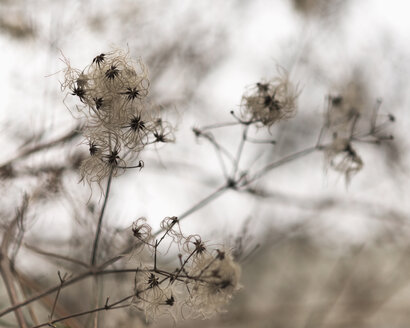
112,92
170,301
142,230
99,59
152,296
112,72
132,93
93,149
219,279
341,157
268,102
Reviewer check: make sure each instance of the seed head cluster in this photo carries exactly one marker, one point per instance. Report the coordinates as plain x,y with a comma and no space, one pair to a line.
220,279
111,96
200,285
269,102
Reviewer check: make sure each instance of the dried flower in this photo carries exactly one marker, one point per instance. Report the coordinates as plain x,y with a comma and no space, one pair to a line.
142,230
194,244
217,278
119,120
343,158
163,132
104,159
172,228
269,102
153,296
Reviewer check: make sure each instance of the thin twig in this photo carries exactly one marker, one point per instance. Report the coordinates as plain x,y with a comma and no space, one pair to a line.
100,219
262,141
184,263
217,146
203,202
5,263
155,255
58,256
67,283
98,293
280,162
45,293
19,239
30,309
219,125
28,151
174,222
106,307
220,159
30,286
374,116
62,280
7,276
239,151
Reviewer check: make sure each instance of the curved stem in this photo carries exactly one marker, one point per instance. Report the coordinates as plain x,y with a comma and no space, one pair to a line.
280,162
11,289
36,148
57,256
239,151
202,203
100,219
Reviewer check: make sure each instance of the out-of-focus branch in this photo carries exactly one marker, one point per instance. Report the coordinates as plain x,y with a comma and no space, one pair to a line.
57,256
106,307
67,283
49,144
100,219
5,263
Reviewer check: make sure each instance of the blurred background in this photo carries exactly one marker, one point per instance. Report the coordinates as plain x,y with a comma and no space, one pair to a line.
318,252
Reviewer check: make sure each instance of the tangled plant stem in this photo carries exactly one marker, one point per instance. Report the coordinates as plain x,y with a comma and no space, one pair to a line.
119,125
214,195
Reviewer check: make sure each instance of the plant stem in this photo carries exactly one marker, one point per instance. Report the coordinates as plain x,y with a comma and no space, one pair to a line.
57,256
280,162
67,283
100,219
11,290
34,149
98,309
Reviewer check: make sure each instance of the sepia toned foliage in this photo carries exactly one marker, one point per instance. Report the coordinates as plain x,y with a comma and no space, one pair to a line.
167,109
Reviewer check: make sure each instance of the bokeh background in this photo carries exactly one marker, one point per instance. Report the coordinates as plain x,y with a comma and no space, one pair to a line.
321,253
